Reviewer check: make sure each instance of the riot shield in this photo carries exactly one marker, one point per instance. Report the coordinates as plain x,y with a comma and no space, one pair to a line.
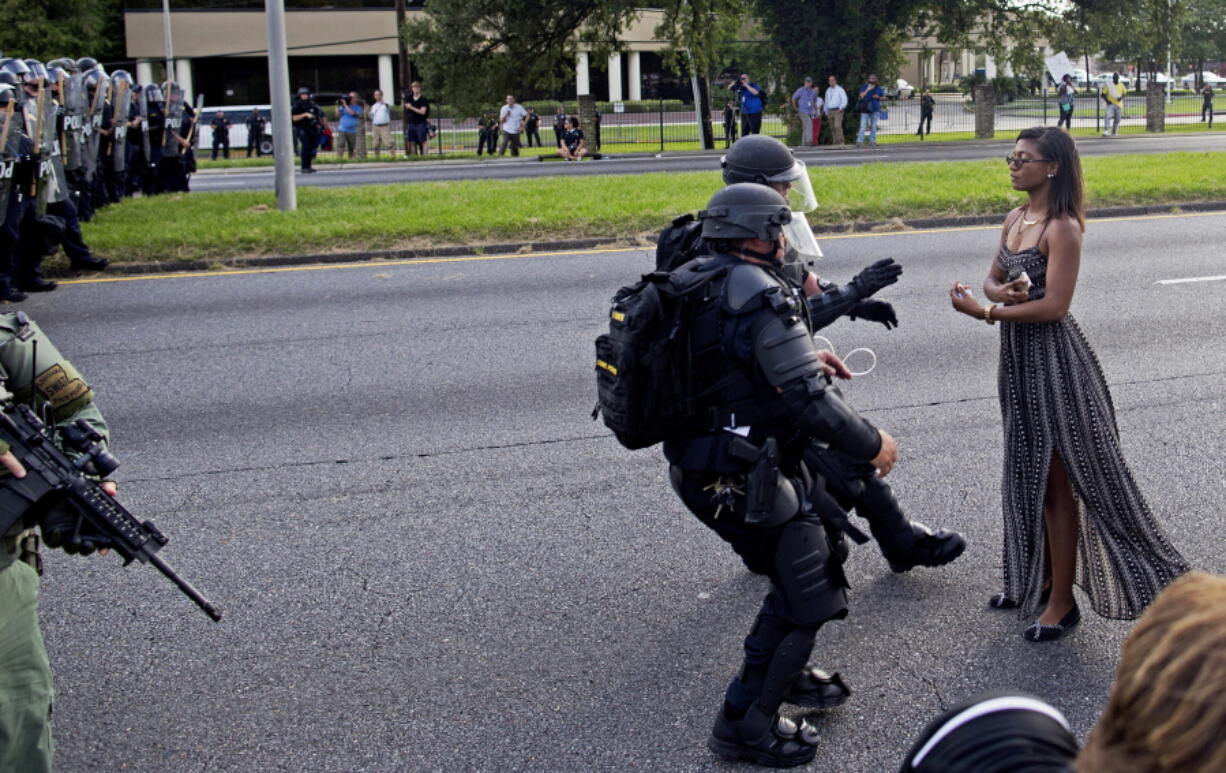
52,179
92,131
11,129
174,122
76,102
143,104
121,104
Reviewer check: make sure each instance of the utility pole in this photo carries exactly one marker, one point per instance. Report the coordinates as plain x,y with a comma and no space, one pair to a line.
402,67
170,57
278,84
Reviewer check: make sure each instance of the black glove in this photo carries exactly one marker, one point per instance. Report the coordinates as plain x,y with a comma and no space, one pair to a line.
875,311
65,529
881,274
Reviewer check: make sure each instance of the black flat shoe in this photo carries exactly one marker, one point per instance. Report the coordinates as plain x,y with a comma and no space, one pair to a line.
1039,632
89,263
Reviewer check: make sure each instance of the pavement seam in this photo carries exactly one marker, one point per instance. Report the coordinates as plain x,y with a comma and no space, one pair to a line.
270,261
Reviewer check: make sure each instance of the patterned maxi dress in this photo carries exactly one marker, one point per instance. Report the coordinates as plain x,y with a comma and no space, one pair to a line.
1053,396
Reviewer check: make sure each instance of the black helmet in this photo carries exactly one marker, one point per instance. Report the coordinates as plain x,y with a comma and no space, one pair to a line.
95,77
8,91
8,78
759,159
745,211
35,70
88,63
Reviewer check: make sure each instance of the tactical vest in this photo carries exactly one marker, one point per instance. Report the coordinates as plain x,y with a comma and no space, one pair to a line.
731,396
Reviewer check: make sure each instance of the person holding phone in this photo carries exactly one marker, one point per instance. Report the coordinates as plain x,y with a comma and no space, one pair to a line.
1067,492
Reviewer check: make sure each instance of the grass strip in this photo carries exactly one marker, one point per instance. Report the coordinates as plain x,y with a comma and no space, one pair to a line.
182,227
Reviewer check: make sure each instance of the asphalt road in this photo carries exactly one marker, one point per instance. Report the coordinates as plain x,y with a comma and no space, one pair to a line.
431,559
511,168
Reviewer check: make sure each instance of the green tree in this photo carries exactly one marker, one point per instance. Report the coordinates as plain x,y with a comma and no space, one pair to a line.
48,29
474,52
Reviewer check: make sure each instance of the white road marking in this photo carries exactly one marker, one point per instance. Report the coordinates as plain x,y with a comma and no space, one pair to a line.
1186,280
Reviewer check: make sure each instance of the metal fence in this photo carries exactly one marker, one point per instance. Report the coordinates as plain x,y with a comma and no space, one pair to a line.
662,126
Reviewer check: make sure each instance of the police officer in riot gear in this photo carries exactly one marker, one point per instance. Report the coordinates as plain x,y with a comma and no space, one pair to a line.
762,398
764,160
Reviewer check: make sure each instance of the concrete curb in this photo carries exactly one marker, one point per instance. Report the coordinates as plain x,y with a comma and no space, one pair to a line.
511,248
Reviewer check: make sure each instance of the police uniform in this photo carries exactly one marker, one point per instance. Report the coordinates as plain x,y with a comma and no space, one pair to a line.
759,402
35,370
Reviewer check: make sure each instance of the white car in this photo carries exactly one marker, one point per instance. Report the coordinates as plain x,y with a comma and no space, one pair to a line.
1213,79
901,90
1105,78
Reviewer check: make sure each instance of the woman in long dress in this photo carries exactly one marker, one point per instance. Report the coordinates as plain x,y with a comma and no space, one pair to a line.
1072,511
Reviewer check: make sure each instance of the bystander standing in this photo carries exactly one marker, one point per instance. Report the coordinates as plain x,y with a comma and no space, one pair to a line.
835,106
753,102
868,105
808,105
381,126
1206,108
417,121
511,120
1113,95
1065,94
559,125
349,115
927,108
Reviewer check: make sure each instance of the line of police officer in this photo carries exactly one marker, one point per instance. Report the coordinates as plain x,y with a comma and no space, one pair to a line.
76,139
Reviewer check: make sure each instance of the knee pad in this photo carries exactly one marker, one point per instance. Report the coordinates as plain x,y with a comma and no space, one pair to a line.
809,576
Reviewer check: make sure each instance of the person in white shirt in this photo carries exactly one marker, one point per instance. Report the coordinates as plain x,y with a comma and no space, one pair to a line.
381,125
511,117
836,104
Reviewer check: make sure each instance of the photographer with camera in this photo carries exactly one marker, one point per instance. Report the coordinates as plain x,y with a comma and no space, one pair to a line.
753,102
306,117
349,111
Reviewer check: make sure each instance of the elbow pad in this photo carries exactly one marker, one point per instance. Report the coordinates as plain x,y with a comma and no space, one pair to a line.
785,352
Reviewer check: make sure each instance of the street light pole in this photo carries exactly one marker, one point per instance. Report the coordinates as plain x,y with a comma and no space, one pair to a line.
278,84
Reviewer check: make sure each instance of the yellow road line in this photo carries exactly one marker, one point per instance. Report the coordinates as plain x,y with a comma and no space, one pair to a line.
600,251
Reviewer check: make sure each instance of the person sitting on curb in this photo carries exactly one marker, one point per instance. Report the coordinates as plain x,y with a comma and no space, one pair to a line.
572,148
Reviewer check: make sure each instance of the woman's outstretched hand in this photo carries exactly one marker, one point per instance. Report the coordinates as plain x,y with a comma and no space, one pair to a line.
964,301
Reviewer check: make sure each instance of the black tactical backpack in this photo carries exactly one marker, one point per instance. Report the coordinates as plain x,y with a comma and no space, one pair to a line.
642,382
679,243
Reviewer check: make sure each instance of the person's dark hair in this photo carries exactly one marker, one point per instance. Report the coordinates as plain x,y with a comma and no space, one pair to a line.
573,121
1068,190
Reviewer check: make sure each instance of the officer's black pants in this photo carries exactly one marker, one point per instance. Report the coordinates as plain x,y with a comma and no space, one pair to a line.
308,143
74,243
224,144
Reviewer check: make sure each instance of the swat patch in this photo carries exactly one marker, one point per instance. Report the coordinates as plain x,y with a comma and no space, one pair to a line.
62,386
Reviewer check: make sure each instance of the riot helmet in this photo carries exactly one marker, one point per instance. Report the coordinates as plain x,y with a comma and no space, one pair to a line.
36,70
19,69
64,63
122,76
745,211
89,64
9,78
153,93
7,93
767,161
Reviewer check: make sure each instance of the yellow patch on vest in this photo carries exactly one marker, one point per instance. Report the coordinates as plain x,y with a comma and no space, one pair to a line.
59,386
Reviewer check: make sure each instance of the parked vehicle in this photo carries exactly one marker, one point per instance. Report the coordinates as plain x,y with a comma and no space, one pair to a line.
238,126
901,90
1213,79
1102,79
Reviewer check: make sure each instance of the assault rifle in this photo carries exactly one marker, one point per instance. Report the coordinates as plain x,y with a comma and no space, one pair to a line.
85,517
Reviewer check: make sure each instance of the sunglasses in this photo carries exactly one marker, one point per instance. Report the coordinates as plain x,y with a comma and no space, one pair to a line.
1016,162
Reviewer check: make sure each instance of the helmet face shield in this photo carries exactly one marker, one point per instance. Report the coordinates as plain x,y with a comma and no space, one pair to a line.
800,194
800,238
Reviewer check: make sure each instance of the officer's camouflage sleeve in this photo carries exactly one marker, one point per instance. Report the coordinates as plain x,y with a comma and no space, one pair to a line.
36,368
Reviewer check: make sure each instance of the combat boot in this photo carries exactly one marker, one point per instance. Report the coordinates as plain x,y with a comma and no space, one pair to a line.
774,741
815,689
